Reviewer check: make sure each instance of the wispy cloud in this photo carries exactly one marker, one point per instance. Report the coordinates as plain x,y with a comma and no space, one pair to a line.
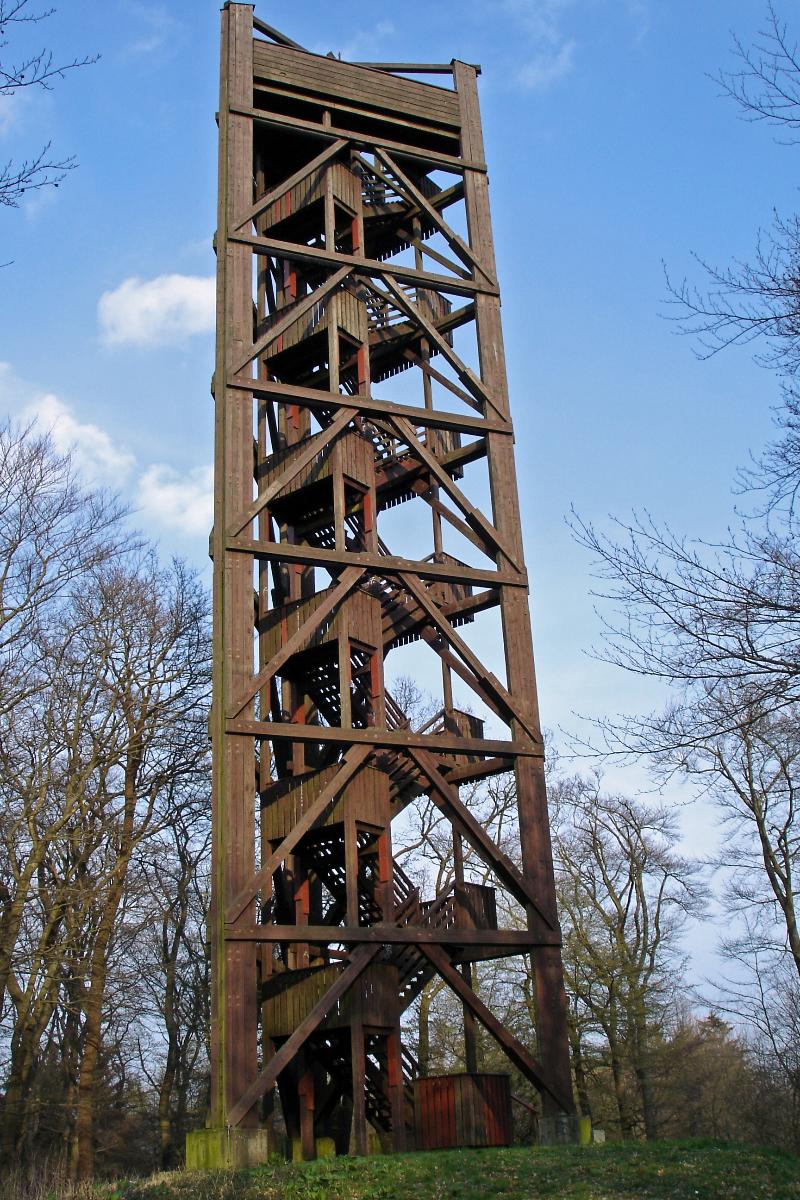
157,312
551,53
183,502
545,68
156,28
363,45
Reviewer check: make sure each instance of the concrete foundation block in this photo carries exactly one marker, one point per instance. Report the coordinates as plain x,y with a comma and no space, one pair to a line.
219,1149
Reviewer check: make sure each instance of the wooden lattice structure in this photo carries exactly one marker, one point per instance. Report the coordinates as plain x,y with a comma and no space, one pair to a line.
343,279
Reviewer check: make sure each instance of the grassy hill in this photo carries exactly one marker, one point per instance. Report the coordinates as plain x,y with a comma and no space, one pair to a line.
698,1170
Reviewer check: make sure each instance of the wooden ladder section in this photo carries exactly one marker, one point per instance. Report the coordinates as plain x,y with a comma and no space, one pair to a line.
340,275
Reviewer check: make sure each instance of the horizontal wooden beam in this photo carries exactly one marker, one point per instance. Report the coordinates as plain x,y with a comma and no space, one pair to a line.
397,739
435,158
317,398
392,935
277,248
411,68
377,564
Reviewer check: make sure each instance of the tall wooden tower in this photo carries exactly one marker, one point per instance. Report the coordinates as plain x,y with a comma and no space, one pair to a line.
361,398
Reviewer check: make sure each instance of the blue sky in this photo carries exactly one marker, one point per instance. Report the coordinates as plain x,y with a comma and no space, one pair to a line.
610,151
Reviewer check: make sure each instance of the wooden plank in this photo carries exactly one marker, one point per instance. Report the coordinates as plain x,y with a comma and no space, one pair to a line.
276,248
277,36
384,738
413,311
515,940
379,564
318,398
234,973
454,241
350,765
530,781
359,962
433,158
501,694
324,76
474,517
410,68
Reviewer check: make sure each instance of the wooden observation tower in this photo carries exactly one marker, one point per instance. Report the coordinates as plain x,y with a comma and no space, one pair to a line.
361,399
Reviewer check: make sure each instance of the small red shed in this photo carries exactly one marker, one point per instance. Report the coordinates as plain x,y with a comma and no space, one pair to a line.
462,1110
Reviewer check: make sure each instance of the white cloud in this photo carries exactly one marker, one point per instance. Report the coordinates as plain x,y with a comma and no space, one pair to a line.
94,453
157,312
184,502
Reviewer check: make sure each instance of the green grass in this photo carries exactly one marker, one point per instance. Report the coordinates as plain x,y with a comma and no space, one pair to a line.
696,1170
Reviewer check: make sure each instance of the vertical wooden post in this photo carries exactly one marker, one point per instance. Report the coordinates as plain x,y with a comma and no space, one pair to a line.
470,1025
234,997
531,794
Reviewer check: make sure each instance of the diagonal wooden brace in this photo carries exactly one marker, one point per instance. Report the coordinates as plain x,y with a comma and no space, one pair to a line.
475,518
294,314
350,764
314,447
446,797
291,181
487,679
300,639
359,961
456,243
520,1057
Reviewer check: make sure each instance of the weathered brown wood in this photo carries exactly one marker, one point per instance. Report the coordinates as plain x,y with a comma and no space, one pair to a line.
359,962
266,340
500,694
433,158
531,792
293,468
379,563
394,935
276,248
298,640
456,243
316,398
376,737
411,68
322,76
234,1003
350,764
446,796
276,35
264,202
519,1055
474,517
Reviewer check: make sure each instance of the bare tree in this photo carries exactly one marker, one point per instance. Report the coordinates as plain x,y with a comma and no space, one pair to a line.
625,895
35,69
